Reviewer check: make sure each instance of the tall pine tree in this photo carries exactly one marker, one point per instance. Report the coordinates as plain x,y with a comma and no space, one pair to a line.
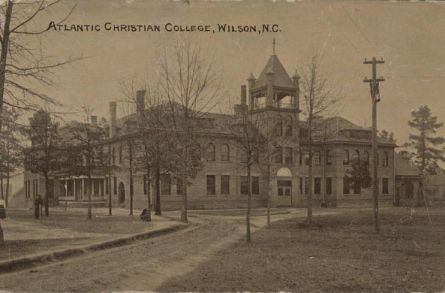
426,143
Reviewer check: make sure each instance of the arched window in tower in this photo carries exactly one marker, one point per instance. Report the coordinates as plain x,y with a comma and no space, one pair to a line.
210,152
278,130
366,157
289,127
356,155
120,153
225,152
346,157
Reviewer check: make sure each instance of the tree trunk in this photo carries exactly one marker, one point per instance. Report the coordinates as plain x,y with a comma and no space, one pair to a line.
2,196
4,55
2,239
158,192
110,204
309,193
7,185
46,199
130,150
184,185
148,186
184,217
269,192
249,196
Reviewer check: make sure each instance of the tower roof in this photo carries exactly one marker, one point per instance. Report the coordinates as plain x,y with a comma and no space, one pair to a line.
280,76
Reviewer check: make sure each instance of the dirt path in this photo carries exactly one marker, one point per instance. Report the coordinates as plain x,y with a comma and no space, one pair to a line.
144,265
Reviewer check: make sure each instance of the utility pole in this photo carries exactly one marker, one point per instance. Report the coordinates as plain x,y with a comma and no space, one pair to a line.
375,96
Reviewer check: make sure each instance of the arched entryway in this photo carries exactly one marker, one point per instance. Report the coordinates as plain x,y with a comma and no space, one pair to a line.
121,198
284,186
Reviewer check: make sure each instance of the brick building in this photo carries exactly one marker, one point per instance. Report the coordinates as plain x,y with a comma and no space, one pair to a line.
272,98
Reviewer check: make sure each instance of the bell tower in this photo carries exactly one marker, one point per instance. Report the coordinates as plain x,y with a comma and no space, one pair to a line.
274,90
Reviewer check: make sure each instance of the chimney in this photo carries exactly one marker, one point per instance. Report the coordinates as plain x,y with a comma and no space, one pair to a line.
93,120
241,109
243,95
112,119
140,101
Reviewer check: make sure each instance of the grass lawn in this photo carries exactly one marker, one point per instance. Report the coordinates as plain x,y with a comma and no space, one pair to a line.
342,256
20,248
76,220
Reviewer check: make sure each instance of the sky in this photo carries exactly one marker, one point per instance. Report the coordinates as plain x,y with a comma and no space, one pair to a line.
409,36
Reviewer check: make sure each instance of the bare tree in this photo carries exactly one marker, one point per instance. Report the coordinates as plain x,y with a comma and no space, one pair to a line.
44,136
22,64
154,145
319,99
88,139
11,147
191,85
245,130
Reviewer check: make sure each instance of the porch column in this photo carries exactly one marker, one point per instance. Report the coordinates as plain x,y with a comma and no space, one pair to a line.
82,188
74,188
65,187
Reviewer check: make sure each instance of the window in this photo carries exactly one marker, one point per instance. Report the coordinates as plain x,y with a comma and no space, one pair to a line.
279,155
328,185
225,152
211,190
289,128
346,157
306,185
120,153
300,160
366,157
115,185
225,184
165,184
113,156
385,183
328,157
356,155
385,161
244,185
284,187
279,129
210,152
255,156
317,185
301,185
346,185
306,159
179,186
304,133
316,158
288,156
196,152
243,155
255,185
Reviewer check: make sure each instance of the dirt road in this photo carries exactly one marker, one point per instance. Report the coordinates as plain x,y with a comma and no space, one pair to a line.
144,265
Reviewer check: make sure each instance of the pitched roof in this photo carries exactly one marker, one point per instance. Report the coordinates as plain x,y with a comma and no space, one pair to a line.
339,129
280,76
